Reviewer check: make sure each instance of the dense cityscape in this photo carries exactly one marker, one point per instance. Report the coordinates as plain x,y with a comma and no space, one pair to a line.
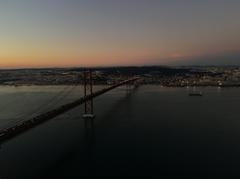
165,76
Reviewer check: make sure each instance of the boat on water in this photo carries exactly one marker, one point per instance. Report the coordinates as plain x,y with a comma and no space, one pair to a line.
198,93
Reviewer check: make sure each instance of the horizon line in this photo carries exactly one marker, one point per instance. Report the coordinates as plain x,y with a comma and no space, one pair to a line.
113,66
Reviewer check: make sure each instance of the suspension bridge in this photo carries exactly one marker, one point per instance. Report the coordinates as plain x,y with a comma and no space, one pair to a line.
25,125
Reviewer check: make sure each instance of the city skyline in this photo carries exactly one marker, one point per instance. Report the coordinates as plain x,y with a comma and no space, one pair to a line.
60,33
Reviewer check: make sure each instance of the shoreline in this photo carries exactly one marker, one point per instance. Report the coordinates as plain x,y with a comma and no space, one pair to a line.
170,86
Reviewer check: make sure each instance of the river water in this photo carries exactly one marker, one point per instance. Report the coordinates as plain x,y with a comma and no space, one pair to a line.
150,132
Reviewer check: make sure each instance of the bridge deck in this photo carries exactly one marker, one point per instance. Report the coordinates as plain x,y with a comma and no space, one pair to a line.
18,128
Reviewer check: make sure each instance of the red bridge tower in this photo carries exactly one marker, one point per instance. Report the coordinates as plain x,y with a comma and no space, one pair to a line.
88,91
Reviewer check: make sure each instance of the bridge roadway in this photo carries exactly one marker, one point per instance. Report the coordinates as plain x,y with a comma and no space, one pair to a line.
18,128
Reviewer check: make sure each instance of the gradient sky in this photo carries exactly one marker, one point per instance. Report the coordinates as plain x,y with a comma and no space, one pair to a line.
63,33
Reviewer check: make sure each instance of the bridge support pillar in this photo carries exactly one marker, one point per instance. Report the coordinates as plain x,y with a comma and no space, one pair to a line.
88,91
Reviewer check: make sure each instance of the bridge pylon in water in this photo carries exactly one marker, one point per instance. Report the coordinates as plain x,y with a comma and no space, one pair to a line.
88,91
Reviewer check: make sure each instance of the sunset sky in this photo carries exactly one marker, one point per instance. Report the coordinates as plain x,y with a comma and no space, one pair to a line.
69,33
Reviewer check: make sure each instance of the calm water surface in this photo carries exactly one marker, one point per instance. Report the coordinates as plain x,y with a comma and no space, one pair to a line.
153,132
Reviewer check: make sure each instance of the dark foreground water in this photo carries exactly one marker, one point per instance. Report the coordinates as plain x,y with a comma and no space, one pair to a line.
153,132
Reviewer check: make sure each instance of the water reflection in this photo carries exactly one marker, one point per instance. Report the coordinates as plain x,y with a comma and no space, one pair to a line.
90,147
90,137
158,132
122,102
